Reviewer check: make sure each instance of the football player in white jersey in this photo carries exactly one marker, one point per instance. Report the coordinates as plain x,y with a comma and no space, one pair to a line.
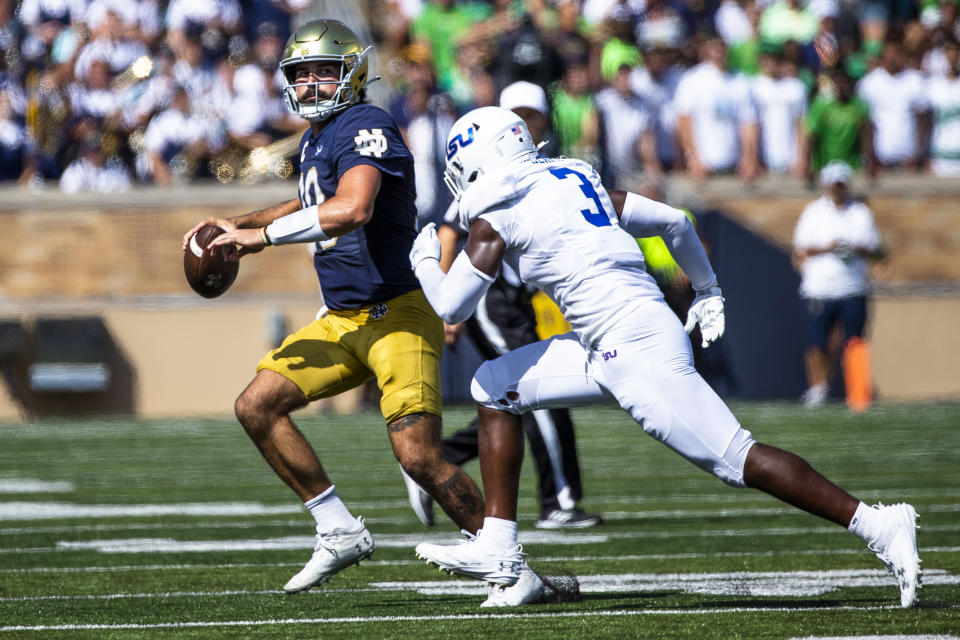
553,222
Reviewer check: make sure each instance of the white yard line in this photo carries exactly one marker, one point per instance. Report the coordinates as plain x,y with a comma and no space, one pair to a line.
406,540
400,563
31,485
438,618
740,583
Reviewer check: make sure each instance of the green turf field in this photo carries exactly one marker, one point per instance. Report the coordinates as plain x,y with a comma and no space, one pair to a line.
113,528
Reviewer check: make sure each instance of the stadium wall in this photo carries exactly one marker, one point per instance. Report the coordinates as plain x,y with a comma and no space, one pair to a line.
119,259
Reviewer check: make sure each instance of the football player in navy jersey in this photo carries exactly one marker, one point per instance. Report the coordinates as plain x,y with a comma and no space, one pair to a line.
356,203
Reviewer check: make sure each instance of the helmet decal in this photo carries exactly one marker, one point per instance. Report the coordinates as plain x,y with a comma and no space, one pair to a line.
457,142
481,141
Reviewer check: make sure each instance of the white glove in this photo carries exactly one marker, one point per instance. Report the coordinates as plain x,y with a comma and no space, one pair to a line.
426,246
707,309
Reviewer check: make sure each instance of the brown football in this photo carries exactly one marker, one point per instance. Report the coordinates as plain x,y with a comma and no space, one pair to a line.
209,274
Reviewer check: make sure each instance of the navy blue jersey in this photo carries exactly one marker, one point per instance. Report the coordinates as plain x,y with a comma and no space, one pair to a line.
370,264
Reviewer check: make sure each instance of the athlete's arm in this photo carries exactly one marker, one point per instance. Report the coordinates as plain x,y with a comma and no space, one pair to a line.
350,207
455,295
642,217
254,219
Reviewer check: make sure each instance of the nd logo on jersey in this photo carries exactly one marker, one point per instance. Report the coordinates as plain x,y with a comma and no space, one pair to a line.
370,143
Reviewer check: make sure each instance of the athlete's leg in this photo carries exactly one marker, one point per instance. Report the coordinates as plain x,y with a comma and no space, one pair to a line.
309,364
416,445
501,457
790,478
543,375
403,349
263,409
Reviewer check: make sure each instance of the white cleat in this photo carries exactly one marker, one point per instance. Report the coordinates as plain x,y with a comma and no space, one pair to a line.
473,560
900,555
420,500
528,588
333,552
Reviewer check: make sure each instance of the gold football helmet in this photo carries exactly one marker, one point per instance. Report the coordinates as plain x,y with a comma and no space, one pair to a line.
325,41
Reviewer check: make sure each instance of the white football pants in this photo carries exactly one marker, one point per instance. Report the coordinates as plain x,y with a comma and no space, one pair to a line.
645,364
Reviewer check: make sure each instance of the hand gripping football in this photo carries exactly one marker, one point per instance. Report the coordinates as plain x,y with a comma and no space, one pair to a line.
209,274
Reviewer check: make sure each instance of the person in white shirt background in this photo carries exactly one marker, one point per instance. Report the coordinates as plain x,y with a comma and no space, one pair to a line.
833,242
656,84
175,139
629,137
781,103
944,96
716,117
91,171
899,109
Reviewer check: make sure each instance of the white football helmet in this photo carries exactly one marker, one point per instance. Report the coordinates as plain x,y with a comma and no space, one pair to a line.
482,140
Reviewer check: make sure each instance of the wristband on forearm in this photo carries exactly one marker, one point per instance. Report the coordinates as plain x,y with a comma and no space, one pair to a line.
299,226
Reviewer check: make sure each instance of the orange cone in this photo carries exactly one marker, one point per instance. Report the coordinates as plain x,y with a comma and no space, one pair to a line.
856,374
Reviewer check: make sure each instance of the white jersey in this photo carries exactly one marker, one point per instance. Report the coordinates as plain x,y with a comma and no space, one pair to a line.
563,237
833,275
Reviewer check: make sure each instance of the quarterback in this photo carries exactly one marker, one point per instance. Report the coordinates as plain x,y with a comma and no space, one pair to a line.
356,206
555,225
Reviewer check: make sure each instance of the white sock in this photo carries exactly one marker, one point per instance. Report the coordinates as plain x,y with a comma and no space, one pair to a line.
498,533
330,512
867,524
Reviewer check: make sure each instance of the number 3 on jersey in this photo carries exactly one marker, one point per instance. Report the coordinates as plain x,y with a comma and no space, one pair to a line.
598,218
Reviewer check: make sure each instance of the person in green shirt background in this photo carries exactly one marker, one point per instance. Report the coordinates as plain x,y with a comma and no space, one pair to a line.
440,27
838,128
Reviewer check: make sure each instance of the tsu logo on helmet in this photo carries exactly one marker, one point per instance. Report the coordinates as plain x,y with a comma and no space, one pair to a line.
482,140
457,142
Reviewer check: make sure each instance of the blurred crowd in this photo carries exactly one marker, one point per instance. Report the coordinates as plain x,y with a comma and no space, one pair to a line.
95,94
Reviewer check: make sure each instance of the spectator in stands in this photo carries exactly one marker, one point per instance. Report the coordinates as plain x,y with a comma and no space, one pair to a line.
732,22
53,29
92,172
176,142
568,37
258,115
575,117
787,20
110,42
440,27
595,12
424,116
270,17
656,83
743,54
781,104
832,244
667,19
12,34
16,145
944,95
824,50
212,21
628,134
837,127
716,117
95,107
526,52
899,110
210,93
